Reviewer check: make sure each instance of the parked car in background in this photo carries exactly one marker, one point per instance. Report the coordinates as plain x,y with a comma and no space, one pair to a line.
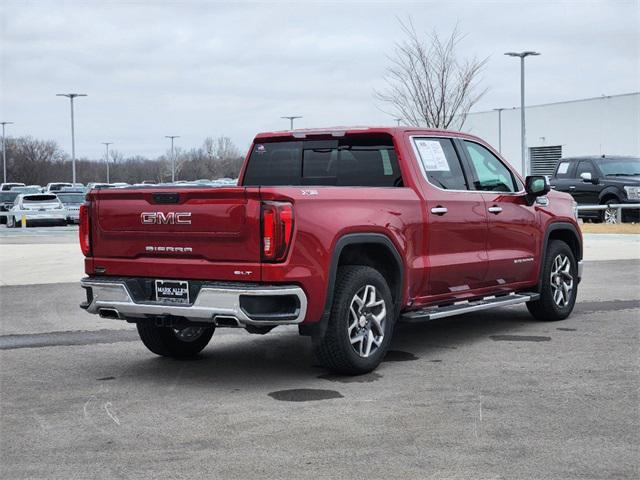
600,180
29,189
71,202
91,185
7,197
73,190
226,181
8,186
37,209
56,186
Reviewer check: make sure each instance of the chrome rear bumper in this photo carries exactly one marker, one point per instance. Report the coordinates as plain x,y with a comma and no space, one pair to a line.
219,305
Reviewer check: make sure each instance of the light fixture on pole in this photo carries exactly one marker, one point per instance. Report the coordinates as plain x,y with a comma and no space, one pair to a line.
499,110
523,139
398,120
106,144
71,96
4,152
173,157
291,119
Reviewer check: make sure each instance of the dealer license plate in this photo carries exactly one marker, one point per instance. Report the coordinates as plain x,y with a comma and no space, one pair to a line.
172,291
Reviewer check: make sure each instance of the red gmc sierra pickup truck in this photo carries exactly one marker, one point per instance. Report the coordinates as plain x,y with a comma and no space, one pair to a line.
343,232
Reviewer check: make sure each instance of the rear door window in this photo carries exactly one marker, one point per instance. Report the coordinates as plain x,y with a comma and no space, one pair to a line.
354,160
440,163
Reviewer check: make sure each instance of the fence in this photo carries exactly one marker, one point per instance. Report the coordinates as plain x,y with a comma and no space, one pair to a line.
612,212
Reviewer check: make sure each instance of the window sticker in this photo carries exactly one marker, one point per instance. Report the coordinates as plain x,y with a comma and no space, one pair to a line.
260,148
563,168
432,155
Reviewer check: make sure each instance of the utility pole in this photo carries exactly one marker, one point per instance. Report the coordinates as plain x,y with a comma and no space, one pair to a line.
523,135
291,119
4,152
173,157
398,120
499,110
106,144
71,96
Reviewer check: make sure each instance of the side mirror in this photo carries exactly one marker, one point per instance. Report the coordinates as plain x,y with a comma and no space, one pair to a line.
536,186
587,178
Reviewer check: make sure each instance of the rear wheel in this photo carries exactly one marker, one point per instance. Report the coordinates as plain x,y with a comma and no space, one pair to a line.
361,322
559,285
174,342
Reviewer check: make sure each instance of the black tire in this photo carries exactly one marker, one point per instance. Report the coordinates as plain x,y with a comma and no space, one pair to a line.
11,222
164,341
335,350
546,308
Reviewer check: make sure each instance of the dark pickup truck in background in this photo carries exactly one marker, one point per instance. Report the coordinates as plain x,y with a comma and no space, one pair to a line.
600,180
342,232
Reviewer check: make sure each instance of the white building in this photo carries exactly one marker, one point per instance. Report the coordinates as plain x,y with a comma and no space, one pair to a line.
604,125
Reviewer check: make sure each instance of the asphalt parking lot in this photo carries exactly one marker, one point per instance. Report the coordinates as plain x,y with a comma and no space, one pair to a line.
482,396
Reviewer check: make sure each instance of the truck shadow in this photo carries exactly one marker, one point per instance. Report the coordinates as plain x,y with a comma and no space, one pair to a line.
244,361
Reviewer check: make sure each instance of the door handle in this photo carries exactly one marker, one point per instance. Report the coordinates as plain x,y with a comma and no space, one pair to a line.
439,210
572,187
495,209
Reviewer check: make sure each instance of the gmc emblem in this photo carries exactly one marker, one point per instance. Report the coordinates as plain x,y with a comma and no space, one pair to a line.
169,218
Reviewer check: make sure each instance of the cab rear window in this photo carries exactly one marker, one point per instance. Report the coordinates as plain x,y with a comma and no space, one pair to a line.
358,161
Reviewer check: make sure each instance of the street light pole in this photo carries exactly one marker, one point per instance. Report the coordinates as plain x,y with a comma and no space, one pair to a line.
106,144
4,152
523,136
173,157
499,110
71,96
291,119
398,120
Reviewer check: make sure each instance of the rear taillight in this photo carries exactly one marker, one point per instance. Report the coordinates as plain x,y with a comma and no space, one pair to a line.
277,230
84,232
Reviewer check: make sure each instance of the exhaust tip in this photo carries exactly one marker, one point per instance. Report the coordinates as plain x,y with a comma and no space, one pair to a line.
226,321
109,313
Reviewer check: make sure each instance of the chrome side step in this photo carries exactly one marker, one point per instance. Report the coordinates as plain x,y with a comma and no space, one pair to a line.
433,313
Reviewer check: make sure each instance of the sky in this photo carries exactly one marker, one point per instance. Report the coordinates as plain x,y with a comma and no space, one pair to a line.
206,68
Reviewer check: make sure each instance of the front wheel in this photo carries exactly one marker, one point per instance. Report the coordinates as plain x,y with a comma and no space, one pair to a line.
174,342
361,322
609,215
559,285
11,222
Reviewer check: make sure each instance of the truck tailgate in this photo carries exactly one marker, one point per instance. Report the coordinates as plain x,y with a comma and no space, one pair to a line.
196,226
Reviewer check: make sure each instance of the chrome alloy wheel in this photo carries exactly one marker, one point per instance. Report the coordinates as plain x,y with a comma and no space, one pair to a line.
188,334
561,280
610,215
367,316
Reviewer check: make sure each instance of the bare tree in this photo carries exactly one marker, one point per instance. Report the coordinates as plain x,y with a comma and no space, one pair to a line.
427,83
35,161
220,148
116,156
